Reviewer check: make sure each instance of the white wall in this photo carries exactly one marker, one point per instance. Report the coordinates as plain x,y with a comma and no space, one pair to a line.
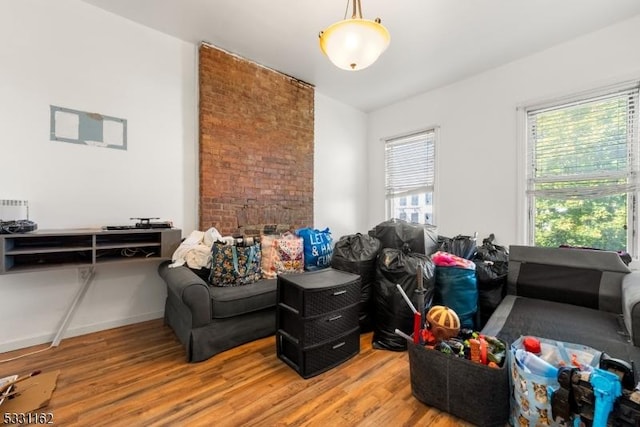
70,54
477,151
340,167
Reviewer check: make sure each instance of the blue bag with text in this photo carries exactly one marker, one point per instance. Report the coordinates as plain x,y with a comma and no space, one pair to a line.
318,248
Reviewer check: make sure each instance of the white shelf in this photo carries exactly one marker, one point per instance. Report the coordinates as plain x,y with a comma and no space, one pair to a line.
77,248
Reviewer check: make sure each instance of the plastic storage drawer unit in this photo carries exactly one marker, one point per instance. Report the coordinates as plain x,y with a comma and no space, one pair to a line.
317,319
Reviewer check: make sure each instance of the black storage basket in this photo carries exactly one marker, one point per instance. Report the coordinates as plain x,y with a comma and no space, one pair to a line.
470,391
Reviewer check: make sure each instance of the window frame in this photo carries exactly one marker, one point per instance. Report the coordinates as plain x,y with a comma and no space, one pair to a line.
526,217
435,130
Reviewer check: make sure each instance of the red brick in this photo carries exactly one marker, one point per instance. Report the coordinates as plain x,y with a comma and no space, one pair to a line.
256,144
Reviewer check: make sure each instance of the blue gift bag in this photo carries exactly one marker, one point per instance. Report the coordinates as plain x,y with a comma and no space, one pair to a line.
318,248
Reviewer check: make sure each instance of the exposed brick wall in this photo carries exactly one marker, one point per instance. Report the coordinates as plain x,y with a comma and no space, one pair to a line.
256,144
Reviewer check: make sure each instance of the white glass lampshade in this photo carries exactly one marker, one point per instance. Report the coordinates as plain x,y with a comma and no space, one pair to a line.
354,44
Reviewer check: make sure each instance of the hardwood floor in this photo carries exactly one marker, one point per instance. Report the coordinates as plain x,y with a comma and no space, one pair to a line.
137,376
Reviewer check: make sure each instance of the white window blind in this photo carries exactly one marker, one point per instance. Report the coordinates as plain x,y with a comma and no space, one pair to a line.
584,149
410,164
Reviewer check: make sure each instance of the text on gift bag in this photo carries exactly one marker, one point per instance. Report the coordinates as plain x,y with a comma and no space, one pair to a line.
318,247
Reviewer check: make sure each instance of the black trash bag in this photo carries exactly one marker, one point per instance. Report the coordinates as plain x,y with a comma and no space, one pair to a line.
492,267
462,246
391,310
395,233
492,261
357,253
488,300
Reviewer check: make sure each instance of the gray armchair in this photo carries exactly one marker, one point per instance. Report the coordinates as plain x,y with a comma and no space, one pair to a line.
208,320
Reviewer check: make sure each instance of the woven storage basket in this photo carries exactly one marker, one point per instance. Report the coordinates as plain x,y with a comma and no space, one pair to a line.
468,390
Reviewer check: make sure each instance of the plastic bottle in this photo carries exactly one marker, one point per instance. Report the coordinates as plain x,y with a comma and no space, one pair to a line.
550,354
535,364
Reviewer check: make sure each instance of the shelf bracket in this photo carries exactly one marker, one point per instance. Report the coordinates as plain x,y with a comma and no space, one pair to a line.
85,275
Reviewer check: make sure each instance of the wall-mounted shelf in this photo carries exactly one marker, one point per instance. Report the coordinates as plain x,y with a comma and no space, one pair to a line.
77,248
82,249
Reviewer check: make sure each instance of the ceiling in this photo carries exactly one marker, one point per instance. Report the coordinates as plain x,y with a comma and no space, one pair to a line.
433,42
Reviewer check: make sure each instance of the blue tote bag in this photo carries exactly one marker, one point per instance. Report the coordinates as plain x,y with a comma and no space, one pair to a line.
318,248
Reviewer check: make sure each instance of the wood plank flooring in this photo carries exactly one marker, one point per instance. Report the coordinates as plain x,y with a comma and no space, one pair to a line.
137,376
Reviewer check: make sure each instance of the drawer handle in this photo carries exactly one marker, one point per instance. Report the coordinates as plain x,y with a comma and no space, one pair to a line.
331,319
338,345
344,291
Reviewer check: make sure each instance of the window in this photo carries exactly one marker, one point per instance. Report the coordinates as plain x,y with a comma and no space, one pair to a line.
410,172
582,172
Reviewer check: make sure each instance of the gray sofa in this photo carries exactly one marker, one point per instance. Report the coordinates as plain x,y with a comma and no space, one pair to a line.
208,319
588,297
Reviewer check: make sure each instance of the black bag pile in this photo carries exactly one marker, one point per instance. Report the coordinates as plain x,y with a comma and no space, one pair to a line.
395,233
462,246
406,247
398,266
492,266
357,253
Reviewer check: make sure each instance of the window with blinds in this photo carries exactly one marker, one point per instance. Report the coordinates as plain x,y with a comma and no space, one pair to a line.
410,176
582,175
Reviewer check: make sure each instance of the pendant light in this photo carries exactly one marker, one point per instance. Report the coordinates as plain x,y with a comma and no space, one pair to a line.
356,43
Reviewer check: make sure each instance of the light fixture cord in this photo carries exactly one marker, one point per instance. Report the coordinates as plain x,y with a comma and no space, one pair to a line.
357,10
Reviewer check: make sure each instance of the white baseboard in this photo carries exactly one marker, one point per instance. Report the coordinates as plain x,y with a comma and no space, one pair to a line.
78,330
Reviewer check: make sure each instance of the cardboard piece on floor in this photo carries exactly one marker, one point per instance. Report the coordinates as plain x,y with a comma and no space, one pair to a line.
37,393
